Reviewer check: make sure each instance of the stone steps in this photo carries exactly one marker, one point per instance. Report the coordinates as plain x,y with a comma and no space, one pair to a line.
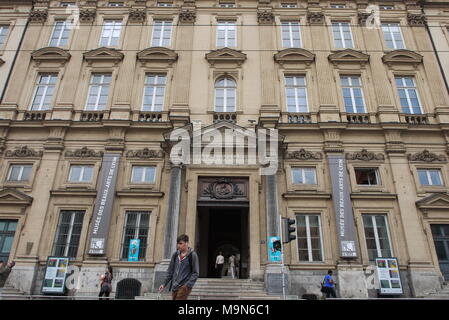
442,293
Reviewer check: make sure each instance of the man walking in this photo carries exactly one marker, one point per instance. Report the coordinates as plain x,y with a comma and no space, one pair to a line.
183,270
219,262
5,270
329,285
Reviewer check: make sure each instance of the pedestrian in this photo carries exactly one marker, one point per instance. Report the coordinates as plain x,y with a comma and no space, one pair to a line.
5,270
106,284
183,270
219,262
329,285
237,265
232,265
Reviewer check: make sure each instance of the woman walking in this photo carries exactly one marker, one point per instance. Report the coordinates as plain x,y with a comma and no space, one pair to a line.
106,284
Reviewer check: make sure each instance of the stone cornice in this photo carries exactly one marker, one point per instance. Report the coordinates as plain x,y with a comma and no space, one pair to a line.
157,54
225,55
349,56
402,56
294,55
103,54
51,54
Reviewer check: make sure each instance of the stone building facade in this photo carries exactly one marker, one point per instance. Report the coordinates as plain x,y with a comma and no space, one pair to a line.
125,74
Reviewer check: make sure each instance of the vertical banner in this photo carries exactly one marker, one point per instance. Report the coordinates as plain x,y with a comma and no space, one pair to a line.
343,207
274,249
103,205
389,277
133,253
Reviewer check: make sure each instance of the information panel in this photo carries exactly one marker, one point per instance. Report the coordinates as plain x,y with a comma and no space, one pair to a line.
389,278
55,275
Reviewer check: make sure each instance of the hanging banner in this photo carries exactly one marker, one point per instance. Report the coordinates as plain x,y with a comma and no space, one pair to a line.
343,207
389,278
103,205
133,253
55,275
274,249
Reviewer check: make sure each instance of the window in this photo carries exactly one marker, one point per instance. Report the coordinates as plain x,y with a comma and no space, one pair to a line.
309,237
116,4
338,6
367,176
386,7
342,35
304,175
3,34
110,35
225,95
98,92
393,35
408,95
161,33
68,234
81,173
288,5
227,5
7,232
43,94
377,236
60,35
291,35
19,172
164,4
68,4
430,177
154,90
136,227
351,87
226,34
296,93
143,174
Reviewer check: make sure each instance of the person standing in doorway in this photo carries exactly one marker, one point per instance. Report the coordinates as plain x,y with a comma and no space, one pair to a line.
183,270
232,265
329,285
106,284
219,262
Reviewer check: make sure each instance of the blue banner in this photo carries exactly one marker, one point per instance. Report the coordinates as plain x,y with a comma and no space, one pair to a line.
133,253
274,249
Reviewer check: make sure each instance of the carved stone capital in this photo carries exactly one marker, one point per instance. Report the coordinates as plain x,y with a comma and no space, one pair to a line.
87,15
365,155
137,15
265,17
426,156
187,16
315,18
39,16
416,19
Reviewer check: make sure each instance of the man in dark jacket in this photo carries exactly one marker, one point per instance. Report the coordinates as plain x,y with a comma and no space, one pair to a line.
4,272
182,271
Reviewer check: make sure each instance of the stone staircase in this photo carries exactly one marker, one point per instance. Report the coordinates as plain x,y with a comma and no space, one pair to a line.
442,293
222,289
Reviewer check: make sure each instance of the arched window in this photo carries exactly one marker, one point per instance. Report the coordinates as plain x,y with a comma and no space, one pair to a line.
225,95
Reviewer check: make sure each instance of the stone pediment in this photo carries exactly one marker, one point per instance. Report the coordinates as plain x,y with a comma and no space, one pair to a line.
349,56
402,56
51,54
103,54
157,54
294,55
13,196
434,201
226,55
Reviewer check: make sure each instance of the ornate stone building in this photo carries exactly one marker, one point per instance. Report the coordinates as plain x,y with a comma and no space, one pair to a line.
98,86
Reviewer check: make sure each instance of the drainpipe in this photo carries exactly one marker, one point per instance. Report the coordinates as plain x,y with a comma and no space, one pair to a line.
15,57
435,50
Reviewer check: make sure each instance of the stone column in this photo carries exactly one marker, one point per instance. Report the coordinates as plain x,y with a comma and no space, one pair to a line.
171,225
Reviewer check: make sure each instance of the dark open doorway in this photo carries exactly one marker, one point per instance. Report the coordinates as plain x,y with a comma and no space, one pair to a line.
223,229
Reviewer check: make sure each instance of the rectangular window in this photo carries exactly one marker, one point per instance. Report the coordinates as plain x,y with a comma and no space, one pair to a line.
304,175
60,35
296,94
81,173
342,35
43,93
164,4
338,6
3,34
68,4
161,33
367,176
351,87
408,95
226,34
377,236
143,174
98,92
430,177
386,7
19,172
393,35
154,91
227,5
116,4
291,35
309,237
110,35
7,232
136,227
68,234
288,5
